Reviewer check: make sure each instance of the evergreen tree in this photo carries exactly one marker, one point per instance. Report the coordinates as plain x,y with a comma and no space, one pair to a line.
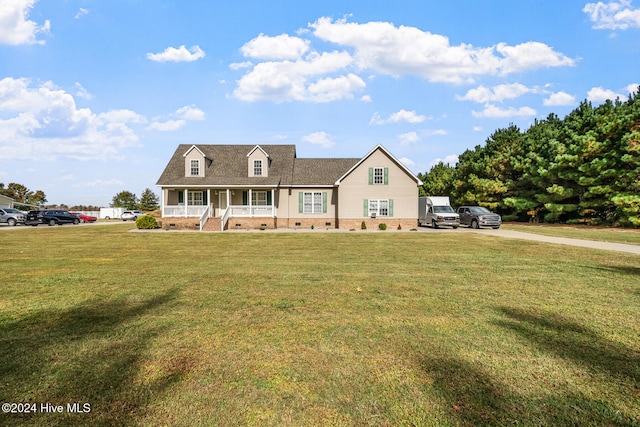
148,201
124,199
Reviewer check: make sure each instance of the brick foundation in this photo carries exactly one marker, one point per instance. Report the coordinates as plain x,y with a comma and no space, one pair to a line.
180,224
307,223
243,223
373,223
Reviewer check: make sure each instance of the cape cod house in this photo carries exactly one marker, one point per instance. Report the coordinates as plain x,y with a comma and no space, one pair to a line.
222,187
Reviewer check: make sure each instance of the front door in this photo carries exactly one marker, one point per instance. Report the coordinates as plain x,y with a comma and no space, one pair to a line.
222,202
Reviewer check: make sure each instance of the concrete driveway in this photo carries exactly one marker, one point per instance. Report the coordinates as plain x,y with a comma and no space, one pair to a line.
593,244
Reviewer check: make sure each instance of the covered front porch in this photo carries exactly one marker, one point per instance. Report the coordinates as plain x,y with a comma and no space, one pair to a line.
223,203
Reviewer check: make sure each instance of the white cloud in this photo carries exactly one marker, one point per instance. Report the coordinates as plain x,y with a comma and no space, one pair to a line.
299,80
493,112
15,26
190,112
179,119
240,65
81,12
559,99
633,88
366,98
275,48
43,122
497,93
614,15
288,67
81,92
397,117
477,128
407,162
181,54
403,50
599,94
450,160
408,138
319,138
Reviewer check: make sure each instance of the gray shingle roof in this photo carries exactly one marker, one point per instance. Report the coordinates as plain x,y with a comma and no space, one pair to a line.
227,165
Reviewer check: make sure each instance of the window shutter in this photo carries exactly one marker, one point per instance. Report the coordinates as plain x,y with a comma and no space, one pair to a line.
390,207
324,202
245,200
386,176
370,176
204,198
268,197
300,201
180,198
366,208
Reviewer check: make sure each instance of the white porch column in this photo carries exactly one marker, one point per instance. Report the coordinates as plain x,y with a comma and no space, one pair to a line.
209,201
186,201
162,201
273,203
250,208
228,198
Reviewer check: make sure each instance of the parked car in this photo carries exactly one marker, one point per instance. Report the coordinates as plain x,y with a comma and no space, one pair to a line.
51,217
131,215
11,216
84,218
477,216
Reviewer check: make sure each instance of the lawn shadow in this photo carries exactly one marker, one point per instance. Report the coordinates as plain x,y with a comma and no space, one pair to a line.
570,340
91,353
621,269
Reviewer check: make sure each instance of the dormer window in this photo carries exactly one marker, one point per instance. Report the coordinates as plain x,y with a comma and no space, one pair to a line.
195,167
257,168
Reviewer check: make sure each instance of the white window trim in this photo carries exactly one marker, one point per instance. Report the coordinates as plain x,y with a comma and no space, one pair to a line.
196,167
314,205
375,207
257,198
196,198
257,167
376,176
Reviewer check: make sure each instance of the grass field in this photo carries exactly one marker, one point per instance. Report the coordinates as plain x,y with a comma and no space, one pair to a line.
299,329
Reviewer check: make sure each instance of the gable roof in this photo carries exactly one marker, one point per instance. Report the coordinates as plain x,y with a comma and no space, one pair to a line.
227,165
388,154
257,147
193,147
323,172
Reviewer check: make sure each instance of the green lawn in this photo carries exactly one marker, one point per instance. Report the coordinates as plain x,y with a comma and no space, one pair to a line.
300,329
602,234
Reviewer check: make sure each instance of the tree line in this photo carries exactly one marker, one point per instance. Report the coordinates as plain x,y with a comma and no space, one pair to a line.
584,168
148,200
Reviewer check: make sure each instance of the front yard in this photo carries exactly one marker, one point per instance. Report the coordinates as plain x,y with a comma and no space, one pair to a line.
273,329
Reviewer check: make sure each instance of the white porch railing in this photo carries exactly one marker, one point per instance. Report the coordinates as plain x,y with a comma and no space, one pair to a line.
204,217
184,211
250,211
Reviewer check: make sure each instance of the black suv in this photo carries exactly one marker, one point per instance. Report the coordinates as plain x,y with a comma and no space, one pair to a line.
51,217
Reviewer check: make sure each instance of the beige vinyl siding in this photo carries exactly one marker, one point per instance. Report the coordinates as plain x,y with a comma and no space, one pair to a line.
257,154
399,187
293,202
194,155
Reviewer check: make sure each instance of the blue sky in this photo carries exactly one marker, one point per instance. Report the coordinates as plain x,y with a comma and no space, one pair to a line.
96,95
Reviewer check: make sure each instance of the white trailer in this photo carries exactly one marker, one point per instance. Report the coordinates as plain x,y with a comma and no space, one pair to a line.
111,213
437,212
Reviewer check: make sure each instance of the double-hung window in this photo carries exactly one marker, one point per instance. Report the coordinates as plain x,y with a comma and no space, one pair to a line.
379,207
257,168
312,202
196,198
195,167
259,198
378,175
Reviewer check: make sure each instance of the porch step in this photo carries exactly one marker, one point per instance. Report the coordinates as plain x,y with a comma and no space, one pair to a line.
212,224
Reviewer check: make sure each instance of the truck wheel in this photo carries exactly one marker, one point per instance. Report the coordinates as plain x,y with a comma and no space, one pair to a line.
474,224
12,222
106,217
455,227
434,224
